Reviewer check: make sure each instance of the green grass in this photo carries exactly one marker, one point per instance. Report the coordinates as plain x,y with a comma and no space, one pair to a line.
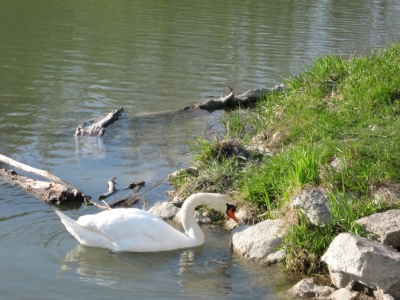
337,110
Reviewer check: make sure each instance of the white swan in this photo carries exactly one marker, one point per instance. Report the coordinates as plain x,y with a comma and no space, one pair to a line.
137,230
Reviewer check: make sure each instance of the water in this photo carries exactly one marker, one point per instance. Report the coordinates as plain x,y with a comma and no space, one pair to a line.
64,62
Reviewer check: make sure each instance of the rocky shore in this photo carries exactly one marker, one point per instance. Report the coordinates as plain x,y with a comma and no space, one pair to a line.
359,267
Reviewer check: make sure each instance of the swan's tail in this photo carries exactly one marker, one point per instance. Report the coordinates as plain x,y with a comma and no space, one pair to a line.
72,226
85,236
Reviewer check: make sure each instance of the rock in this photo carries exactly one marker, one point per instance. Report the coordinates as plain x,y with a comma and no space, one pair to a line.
337,164
178,201
168,211
344,294
201,218
386,297
307,288
314,204
389,194
192,170
385,225
164,210
374,265
276,257
259,242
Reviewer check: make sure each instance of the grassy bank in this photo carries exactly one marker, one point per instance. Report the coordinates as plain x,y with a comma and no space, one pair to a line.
336,126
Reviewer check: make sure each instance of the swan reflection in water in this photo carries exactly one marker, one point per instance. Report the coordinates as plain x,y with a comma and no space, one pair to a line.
210,271
166,273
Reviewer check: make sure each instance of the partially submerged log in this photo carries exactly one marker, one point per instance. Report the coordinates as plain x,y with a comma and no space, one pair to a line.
56,191
244,99
92,128
47,191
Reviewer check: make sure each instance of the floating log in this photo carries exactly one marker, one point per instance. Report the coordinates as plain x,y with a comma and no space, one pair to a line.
56,191
244,99
98,128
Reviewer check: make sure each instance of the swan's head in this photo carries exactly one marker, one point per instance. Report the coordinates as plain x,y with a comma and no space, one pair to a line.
223,204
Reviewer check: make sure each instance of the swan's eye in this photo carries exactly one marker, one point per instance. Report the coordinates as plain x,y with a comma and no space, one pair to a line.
230,206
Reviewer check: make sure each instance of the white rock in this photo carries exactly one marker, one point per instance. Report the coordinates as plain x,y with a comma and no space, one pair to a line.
168,211
344,294
337,164
307,288
260,241
385,225
370,263
164,210
190,170
314,204
201,219
389,194
386,297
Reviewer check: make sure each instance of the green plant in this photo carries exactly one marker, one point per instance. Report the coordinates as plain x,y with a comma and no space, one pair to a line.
304,166
236,124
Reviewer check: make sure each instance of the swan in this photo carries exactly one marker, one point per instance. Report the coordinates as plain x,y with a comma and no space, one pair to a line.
136,230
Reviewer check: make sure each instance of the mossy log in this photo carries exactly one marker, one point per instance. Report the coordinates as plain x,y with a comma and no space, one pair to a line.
93,128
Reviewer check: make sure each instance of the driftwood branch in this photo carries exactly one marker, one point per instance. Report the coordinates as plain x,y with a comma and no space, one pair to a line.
97,128
111,189
58,190
244,99
131,197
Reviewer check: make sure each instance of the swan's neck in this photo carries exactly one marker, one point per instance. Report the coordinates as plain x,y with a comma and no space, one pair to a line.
192,229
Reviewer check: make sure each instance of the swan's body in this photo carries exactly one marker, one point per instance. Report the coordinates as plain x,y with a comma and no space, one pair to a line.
136,230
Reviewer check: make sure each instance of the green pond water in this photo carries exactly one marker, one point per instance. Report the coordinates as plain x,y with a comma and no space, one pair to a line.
64,62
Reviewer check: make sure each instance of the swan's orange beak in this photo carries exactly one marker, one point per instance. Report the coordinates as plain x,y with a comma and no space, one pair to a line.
231,213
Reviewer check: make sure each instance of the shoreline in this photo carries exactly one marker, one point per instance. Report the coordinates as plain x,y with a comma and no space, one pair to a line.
334,131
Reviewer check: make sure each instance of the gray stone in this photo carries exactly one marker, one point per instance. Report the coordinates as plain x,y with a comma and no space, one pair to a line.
260,241
201,218
178,201
353,258
389,194
307,288
164,210
385,225
183,172
344,294
337,164
314,204
386,297
168,211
